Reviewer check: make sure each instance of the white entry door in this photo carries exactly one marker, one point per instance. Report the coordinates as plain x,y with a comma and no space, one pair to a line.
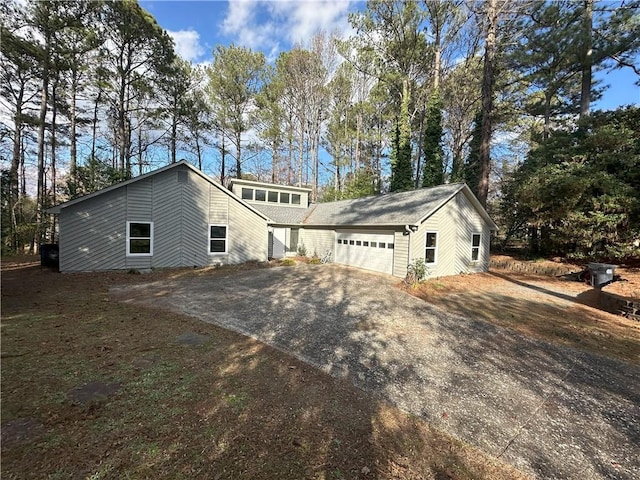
279,242
373,251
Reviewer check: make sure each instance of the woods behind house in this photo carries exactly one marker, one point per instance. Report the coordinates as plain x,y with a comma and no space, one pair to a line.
494,93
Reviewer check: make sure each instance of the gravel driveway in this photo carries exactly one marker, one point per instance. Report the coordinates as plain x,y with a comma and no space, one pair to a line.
551,411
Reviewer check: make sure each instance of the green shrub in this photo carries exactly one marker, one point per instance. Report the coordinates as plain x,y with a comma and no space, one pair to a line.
287,262
417,271
302,250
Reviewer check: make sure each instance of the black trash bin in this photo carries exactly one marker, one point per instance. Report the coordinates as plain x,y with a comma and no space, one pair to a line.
49,255
601,274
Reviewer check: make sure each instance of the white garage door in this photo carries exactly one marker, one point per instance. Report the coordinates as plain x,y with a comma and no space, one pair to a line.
373,251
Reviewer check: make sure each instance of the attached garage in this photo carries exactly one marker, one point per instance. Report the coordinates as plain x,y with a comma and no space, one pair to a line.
368,250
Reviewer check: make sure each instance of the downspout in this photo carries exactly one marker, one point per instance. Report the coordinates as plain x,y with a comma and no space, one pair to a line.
409,249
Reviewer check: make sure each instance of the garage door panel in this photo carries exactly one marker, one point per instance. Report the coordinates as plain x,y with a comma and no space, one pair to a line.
365,250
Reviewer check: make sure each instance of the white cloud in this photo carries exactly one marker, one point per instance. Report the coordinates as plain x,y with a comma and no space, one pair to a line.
239,16
302,20
188,44
263,24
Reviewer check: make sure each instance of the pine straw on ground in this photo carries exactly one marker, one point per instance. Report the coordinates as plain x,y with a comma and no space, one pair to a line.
547,308
231,408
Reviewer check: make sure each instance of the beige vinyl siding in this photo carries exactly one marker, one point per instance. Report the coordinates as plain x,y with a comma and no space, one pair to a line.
444,223
400,254
471,222
139,197
317,240
218,206
194,219
455,223
247,234
92,234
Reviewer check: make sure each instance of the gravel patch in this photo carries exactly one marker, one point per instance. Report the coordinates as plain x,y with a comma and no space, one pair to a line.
551,411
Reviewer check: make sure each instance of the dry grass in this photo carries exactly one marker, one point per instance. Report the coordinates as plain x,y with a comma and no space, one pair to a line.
538,309
229,409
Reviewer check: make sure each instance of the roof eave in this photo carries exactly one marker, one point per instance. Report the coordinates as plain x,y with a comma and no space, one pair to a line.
58,208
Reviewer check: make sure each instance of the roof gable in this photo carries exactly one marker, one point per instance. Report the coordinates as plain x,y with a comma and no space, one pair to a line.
403,208
60,207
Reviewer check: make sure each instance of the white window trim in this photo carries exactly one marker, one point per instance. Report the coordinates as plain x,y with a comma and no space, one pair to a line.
226,239
479,247
435,249
129,238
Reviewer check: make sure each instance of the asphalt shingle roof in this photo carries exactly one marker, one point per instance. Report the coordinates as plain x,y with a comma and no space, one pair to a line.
282,215
390,209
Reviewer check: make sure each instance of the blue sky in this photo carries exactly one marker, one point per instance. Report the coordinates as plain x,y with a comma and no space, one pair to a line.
273,26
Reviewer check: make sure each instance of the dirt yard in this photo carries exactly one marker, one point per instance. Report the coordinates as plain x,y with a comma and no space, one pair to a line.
93,388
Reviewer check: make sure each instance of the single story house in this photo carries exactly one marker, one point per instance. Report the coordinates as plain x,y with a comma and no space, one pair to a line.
178,216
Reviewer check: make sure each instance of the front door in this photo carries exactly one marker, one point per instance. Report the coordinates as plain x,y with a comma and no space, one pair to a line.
279,242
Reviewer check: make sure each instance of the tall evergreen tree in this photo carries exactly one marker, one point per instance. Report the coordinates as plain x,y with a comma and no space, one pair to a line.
471,171
433,173
401,167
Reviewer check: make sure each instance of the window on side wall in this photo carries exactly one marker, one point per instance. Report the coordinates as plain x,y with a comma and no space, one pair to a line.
247,193
217,239
140,239
475,247
431,248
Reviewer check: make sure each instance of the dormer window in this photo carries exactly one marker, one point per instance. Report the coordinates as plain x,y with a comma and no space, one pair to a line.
247,193
295,199
284,197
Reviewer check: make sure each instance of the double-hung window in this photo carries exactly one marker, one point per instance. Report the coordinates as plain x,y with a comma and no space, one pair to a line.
140,239
218,239
431,247
475,247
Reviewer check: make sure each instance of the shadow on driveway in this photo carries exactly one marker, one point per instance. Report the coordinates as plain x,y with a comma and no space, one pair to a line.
549,410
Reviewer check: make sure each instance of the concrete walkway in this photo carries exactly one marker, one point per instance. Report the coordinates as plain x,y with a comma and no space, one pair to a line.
551,411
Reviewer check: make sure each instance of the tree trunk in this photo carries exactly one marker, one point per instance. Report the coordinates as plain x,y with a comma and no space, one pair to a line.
122,152
223,158
547,115
587,59
358,127
14,186
54,179
419,152
301,154
487,101
238,152
140,161
437,59
95,123
73,159
198,152
174,133
42,118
